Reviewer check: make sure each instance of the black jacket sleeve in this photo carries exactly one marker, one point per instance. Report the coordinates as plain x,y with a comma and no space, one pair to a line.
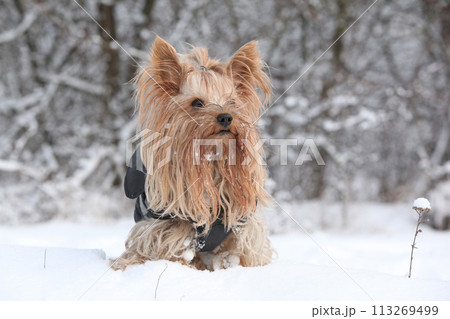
134,183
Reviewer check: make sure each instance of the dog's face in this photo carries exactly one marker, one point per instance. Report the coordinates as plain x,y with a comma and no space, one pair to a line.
213,102
197,103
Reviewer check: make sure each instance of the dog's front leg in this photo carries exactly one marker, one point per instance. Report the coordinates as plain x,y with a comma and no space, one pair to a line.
171,240
247,246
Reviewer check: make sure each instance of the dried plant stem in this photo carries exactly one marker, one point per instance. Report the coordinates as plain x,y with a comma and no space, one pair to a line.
413,246
159,278
45,257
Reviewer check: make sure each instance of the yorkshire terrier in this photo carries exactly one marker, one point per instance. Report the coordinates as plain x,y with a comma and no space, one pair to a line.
202,207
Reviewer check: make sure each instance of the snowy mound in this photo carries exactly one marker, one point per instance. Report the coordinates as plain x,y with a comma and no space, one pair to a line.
78,274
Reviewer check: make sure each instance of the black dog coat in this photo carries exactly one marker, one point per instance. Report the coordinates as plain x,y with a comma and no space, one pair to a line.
134,185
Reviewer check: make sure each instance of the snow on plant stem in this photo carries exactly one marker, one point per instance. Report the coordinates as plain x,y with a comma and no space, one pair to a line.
422,203
421,206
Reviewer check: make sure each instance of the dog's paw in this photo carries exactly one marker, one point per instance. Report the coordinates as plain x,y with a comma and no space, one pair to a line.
231,261
225,260
189,254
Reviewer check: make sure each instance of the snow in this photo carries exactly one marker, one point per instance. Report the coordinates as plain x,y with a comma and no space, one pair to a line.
26,23
188,255
368,260
71,274
422,203
440,197
10,166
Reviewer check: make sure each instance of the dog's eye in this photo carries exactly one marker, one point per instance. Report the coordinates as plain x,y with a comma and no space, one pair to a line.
197,103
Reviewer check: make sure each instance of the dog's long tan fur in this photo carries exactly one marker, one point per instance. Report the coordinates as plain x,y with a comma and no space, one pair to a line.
166,88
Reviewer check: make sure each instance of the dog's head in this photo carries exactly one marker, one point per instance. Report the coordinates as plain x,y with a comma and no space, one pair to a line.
205,113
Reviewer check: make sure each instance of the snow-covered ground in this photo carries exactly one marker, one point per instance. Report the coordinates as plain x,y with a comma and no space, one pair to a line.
369,259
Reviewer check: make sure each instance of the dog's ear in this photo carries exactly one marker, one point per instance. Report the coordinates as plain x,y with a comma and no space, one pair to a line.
165,66
246,69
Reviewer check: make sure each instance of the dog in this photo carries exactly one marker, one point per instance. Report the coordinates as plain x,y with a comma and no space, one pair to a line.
202,207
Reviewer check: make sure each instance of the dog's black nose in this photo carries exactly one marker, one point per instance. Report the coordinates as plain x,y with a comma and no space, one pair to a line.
224,119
